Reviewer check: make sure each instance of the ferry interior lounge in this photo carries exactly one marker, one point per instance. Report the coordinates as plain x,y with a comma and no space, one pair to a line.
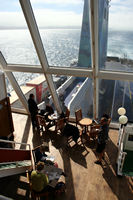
66,100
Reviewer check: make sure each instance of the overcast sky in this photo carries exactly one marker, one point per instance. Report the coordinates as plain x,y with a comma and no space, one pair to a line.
64,13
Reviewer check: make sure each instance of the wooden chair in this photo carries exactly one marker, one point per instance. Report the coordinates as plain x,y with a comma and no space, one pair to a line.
35,195
94,130
42,123
109,121
67,115
59,125
78,115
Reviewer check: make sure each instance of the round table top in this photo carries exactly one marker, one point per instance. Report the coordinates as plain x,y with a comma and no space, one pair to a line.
53,116
85,121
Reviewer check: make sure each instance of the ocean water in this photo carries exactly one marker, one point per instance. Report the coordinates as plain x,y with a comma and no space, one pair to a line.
61,45
62,48
120,44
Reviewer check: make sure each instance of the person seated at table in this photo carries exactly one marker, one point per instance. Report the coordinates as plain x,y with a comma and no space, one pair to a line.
39,180
102,139
48,111
45,178
40,155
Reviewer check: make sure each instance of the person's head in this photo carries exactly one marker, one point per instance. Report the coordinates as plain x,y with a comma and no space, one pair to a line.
40,166
31,96
47,101
106,116
42,148
103,121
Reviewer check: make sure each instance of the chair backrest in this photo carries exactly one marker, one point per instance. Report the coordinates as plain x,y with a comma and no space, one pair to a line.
59,124
78,115
67,113
109,120
41,120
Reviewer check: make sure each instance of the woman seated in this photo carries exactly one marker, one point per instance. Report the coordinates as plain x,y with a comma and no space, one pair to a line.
40,155
44,175
39,180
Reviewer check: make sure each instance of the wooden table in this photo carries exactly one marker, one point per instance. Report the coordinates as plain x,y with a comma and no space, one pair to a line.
53,117
85,122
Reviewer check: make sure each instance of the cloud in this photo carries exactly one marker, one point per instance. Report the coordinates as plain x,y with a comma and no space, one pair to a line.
121,15
9,19
44,17
56,18
56,1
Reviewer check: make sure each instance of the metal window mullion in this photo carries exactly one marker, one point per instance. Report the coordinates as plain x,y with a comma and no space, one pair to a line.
117,75
51,70
70,71
94,53
109,75
14,83
32,25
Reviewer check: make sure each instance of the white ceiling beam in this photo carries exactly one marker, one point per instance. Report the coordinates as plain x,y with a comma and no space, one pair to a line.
24,68
94,53
78,72
14,83
33,28
70,71
111,75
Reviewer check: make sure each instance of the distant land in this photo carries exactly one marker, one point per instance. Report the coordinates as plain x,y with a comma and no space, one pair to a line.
42,27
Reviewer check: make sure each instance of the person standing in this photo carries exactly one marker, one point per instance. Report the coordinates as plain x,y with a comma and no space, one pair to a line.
33,109
102,139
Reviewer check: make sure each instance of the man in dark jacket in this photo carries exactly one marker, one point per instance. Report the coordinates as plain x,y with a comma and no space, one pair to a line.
102,138
33,110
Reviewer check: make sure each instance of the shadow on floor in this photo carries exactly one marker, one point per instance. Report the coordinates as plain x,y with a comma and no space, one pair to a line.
15,187
120,186
26,133
74,152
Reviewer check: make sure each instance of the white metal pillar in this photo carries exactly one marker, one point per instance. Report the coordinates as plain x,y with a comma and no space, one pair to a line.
14,83
94,53
32,25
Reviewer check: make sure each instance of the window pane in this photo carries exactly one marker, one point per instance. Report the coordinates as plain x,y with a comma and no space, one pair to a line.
15,41
113,95
103,31
65,37
30,83
76,93
120,37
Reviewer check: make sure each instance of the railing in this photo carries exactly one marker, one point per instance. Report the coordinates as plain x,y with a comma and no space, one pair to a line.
81,99
14,160
120,159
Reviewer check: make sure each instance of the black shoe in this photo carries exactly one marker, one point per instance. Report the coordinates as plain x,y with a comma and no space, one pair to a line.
98,162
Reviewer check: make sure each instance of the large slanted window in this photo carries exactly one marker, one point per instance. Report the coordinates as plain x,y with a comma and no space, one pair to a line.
120,37
65,32
15,41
